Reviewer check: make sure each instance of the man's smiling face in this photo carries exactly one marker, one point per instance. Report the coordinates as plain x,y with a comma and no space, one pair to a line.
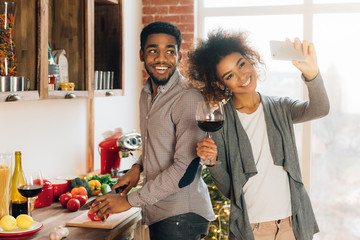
160,57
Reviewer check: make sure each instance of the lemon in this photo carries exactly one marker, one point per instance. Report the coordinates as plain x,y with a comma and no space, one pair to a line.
8,223
24,221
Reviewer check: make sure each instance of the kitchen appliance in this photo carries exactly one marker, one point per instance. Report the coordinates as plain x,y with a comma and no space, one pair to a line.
116,147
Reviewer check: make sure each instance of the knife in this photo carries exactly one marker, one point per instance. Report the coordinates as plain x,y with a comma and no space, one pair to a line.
113,191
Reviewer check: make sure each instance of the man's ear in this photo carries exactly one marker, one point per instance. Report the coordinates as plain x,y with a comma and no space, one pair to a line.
141,55
180,56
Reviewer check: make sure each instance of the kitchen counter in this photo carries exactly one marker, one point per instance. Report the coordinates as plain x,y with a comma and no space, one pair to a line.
55,215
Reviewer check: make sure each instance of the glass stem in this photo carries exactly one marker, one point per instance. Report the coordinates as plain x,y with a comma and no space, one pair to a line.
208,134
29,206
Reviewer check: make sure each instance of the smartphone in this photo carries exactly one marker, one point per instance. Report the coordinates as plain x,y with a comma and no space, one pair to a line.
281,50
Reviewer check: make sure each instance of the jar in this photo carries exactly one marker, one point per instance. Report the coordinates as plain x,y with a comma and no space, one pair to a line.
51,82
45,198
67,86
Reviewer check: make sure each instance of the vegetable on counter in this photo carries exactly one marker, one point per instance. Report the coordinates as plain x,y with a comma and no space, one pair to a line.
93,217
59,233
95,187
79,191
78,182
105,188
106,178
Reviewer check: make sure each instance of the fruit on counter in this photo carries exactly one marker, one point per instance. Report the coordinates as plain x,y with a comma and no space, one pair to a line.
93,217
64,198
78,182
79,191
95,187
24,221
105,188
82,199
8,223
73,204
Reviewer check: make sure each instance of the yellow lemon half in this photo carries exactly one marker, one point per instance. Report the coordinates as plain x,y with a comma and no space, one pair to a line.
8,223
24,221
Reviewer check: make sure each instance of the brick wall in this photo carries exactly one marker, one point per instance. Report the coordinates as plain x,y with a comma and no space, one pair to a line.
177,12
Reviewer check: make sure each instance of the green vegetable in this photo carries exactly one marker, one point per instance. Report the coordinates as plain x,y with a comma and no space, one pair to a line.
77,182
103,179
105,188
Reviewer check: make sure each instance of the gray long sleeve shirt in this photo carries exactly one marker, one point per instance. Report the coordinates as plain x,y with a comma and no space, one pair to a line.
238,165
170,133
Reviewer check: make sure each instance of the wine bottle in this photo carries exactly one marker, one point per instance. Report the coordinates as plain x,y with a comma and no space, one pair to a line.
19,203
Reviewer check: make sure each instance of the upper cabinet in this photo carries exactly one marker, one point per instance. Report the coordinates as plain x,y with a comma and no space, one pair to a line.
108,47
86,34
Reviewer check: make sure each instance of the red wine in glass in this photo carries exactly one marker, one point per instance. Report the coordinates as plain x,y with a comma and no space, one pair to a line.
32,187
210,118
210,125
30,191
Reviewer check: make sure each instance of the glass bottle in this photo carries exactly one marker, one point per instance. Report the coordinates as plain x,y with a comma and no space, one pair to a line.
18,202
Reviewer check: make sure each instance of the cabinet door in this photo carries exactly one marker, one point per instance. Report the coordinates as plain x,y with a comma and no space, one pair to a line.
19,49
108,47
68,33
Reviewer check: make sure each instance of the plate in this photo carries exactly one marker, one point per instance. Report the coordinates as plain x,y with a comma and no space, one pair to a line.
19,233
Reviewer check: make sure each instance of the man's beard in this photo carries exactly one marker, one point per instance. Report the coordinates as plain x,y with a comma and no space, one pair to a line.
158,81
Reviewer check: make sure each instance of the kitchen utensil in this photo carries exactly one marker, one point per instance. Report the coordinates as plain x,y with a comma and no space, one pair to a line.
113,191
113,220
19,233
6,84
20,84
59,187
68,180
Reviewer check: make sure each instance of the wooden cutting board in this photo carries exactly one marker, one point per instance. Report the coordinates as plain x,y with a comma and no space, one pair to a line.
111,222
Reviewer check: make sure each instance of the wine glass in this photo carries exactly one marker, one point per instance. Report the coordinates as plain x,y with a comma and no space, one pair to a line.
31,187
210,118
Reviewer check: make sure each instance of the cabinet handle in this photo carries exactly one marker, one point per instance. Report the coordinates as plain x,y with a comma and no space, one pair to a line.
12,98
70,95
109,93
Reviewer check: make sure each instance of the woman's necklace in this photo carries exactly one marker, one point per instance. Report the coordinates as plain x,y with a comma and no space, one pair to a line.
241,107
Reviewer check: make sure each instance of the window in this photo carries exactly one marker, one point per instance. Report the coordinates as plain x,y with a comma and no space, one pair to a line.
329,148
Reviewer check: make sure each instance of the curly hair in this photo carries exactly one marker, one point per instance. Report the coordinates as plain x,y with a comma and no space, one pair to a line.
206,56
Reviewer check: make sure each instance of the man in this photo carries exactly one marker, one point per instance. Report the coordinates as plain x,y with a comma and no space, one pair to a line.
174,199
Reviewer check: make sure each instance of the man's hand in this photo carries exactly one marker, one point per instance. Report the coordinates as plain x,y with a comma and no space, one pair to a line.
110,203
131,178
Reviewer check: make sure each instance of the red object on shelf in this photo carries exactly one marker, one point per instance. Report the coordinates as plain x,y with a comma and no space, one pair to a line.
109,154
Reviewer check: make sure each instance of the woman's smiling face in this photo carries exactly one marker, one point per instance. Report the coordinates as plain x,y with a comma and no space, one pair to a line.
237,74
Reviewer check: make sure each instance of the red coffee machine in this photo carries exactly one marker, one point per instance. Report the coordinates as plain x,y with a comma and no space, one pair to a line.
113,148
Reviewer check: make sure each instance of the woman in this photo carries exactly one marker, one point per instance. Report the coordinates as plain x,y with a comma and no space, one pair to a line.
260,170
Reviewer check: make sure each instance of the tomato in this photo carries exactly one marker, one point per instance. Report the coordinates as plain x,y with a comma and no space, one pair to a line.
73,204
79,191
64,198
93,217
82,199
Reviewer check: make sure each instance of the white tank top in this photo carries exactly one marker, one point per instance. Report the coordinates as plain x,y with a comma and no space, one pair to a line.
267,194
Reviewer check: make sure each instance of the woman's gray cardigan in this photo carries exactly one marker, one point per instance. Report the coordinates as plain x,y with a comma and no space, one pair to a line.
238,165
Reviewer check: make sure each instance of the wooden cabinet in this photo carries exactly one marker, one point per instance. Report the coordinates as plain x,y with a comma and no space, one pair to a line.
90,32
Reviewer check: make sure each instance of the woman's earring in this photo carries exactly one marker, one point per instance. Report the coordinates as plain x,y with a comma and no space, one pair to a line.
228,92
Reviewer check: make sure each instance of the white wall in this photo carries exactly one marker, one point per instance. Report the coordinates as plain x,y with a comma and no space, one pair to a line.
52,134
